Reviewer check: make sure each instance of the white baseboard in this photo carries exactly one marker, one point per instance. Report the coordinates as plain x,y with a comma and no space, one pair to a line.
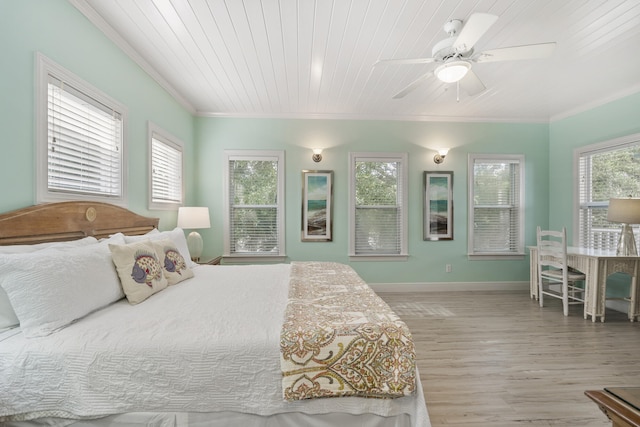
450,286
621,306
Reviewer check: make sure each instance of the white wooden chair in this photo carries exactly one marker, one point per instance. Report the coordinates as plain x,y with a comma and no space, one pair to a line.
555,278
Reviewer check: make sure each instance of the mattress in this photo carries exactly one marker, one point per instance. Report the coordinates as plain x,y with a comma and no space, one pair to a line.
208,345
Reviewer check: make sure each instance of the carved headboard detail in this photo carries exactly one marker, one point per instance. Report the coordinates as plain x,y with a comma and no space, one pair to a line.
52,222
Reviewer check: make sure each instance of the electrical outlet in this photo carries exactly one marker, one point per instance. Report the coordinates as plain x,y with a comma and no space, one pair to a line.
447,268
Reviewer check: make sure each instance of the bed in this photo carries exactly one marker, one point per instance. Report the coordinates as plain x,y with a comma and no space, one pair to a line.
104,339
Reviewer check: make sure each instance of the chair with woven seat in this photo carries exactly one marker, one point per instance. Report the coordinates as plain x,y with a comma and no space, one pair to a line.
555,278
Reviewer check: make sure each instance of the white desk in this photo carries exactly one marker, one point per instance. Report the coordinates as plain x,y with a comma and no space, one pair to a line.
597,265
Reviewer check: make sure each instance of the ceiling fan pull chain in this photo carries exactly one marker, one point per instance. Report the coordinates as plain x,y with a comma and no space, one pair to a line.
458,91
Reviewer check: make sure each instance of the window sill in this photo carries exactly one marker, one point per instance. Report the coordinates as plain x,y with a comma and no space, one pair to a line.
253,259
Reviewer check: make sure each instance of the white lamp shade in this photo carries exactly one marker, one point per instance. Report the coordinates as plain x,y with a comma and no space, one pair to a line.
193,217
626,211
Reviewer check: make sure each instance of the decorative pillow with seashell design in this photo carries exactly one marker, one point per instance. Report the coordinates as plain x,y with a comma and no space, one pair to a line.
140,270
173,263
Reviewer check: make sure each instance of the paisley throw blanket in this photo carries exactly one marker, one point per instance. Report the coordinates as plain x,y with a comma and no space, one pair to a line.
340,339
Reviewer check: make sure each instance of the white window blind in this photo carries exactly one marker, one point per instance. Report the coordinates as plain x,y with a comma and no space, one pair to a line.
605,171
496,214
378,205
166,171
81,149
84,143
255,205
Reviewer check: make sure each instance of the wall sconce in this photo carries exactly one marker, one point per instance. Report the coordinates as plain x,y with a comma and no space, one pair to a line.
317,154
439,158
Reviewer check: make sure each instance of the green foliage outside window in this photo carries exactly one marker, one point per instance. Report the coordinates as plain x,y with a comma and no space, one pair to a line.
615,174
496,206
376,183
255,182
254,187
377,207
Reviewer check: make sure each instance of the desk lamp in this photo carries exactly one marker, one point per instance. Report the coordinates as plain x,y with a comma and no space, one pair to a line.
194,218
626,211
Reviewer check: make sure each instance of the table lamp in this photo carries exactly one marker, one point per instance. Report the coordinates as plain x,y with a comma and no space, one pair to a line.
194,218
626,211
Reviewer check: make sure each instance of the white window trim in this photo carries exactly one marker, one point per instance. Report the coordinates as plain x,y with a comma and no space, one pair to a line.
277,155
44,68
156,132
404,179
609,145
470,209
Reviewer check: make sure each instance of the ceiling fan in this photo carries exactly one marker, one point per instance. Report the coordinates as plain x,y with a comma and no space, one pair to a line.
455,55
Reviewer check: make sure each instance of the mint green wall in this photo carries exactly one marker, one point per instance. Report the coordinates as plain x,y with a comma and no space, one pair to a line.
420,140
613,120
56,29
59,31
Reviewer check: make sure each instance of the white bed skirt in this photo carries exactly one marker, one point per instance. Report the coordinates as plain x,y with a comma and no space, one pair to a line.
230,418
225,419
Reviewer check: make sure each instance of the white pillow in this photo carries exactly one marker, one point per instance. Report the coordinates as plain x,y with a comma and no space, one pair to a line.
20,249
176,235
50,288
147,236
8,318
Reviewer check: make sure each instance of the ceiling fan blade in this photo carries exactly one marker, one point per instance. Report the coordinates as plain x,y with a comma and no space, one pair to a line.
516,53
404,61
474,28
412,86
471,84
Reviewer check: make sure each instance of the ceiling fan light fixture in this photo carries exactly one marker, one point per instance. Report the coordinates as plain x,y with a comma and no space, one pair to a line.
453,71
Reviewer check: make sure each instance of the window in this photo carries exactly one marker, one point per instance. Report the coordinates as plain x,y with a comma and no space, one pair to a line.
378,205
80,146
496,210
166,169
607,170
254,204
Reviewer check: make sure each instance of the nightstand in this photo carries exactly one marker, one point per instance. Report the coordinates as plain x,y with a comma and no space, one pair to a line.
214,261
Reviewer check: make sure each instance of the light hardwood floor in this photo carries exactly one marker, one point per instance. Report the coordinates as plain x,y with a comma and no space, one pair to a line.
498,359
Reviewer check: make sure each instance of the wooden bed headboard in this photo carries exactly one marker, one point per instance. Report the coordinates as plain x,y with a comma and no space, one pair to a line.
53,222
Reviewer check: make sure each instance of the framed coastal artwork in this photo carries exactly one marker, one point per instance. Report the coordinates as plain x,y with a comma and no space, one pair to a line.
438,206
317,206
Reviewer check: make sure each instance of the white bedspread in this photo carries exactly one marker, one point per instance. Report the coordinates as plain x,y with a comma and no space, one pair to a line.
207,344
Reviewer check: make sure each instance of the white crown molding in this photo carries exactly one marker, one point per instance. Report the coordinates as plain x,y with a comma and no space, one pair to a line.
97,20
598,103
327,116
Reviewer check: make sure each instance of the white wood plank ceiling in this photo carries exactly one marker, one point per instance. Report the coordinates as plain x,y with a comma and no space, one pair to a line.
314,58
